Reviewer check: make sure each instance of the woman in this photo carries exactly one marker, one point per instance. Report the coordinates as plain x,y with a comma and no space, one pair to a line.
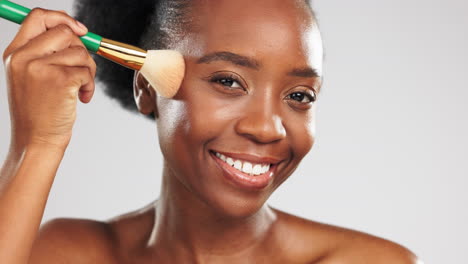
242,121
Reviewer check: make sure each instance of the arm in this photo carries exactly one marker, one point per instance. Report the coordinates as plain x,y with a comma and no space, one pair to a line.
26,179
47,70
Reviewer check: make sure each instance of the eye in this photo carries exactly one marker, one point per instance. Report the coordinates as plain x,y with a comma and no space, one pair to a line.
302,97
228,81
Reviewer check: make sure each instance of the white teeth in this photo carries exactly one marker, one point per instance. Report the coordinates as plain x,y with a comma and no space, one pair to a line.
230,161
238,164
247,167
257,169
222,157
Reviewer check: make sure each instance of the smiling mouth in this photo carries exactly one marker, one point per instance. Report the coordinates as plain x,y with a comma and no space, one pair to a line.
246,171
244,166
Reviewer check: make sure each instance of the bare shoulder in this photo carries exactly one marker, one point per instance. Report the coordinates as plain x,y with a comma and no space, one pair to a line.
328,244
67,240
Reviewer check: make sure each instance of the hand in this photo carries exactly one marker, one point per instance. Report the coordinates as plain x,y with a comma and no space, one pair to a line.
48,68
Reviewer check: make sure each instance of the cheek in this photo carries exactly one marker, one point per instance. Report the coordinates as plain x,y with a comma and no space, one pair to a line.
302,132
172,115
207,115
170,123
207,118
180,126
192,119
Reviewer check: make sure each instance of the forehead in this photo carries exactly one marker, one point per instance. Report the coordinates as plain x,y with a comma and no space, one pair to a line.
257,28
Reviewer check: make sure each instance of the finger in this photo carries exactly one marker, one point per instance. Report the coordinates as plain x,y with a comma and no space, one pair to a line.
79,80
74,56
51,41
87,93
40,20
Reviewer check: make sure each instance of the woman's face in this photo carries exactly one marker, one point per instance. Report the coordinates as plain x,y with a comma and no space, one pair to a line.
252,74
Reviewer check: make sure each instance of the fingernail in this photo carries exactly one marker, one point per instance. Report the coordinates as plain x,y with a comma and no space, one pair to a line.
81,25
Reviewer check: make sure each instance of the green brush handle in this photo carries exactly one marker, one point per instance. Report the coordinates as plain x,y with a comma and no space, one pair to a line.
17,14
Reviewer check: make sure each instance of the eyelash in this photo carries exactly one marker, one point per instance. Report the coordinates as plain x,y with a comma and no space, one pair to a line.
312,97
218,78
231,77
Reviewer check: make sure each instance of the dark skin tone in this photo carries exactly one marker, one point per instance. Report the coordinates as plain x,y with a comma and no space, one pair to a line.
252,77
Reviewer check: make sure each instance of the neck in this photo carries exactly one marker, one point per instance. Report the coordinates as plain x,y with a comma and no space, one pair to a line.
186,227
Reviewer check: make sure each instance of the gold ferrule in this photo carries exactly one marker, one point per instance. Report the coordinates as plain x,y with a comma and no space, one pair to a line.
126,55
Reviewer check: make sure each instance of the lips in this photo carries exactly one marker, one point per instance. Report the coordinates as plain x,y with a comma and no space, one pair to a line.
246,171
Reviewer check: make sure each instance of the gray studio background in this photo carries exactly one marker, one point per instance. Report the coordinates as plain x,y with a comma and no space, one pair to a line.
391,153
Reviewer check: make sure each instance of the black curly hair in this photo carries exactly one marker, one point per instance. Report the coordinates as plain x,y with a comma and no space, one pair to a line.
149,24
130,22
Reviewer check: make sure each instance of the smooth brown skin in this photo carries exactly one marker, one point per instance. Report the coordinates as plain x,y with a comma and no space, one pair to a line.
199,217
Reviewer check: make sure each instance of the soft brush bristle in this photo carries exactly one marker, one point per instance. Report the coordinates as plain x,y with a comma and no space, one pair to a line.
164,70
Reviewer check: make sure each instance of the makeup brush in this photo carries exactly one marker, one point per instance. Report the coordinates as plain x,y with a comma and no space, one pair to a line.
163,69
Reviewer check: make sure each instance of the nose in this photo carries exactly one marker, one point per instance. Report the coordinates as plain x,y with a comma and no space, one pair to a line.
261,124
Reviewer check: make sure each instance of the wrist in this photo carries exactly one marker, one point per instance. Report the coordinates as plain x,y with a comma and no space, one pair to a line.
45,148
17,151
20,143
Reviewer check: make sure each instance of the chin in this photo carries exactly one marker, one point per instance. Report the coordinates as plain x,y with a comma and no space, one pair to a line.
236,206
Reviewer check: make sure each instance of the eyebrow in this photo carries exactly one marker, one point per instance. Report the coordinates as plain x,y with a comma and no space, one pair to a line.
252,63
230,57
304,72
